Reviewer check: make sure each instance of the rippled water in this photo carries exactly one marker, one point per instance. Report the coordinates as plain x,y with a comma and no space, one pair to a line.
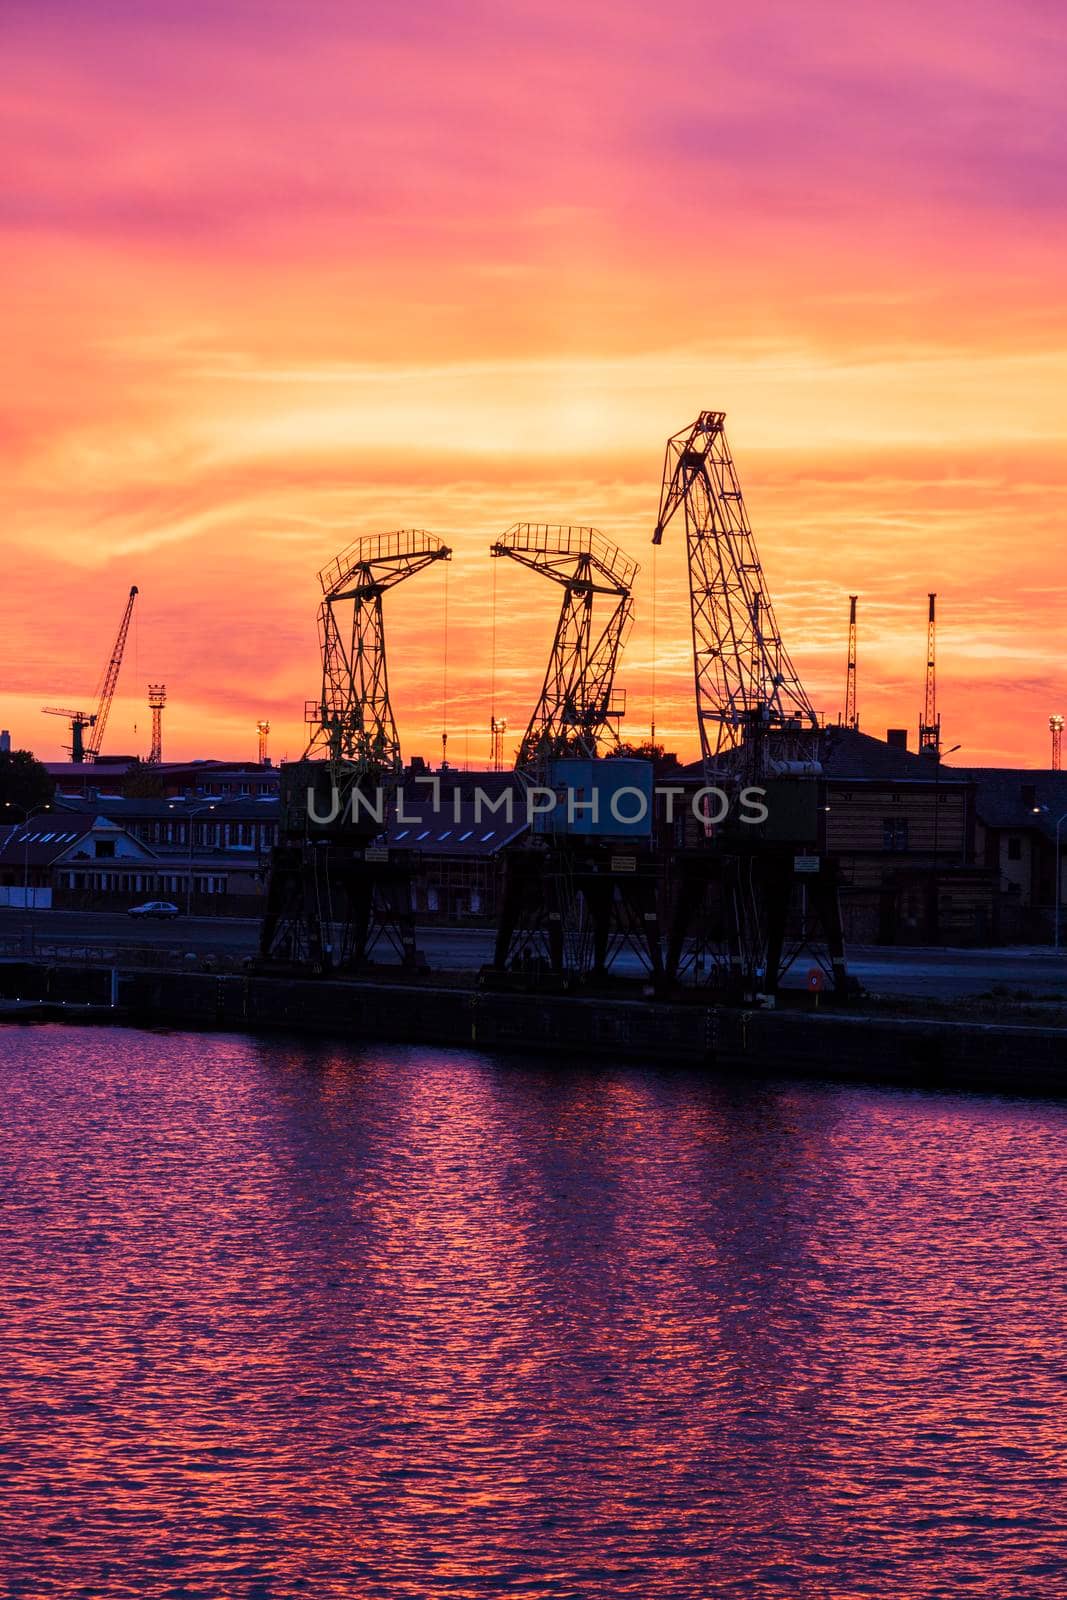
285,1318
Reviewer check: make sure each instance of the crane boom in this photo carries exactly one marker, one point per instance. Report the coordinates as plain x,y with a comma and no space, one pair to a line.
851,715
111,678
930,722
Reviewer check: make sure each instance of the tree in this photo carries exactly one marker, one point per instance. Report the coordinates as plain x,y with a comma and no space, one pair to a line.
143,782
24,783
663,761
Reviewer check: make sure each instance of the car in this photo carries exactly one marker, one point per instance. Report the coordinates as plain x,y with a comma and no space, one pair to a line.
154,908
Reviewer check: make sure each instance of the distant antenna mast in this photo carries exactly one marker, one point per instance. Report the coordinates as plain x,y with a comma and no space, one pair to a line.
930,725
851,719
263,729
497,729
157,699
1055,724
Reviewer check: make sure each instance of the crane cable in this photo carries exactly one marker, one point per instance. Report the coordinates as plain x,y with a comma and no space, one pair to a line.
652,731
492,636
444,677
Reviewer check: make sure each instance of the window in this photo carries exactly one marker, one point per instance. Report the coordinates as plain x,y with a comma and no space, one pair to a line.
105,849
1015,848
895,833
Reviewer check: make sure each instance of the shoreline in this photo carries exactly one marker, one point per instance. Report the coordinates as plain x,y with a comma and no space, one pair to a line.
909,1049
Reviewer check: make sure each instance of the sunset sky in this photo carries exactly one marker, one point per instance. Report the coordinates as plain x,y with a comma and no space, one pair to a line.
277,275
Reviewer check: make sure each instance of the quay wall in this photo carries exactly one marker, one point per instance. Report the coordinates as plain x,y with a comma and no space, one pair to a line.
900,1049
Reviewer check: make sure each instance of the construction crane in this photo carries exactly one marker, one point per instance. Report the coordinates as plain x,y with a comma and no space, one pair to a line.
263,730
578,707
334,889
851,717
751,706
157,699
352,722
1055,726
82,749
79,721
930,721
746,901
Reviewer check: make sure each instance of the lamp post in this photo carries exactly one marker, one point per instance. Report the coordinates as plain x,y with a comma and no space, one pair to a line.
1056,919
934,908
35,811
196,812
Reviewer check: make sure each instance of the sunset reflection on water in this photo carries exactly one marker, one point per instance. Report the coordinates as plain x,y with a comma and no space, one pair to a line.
285,1318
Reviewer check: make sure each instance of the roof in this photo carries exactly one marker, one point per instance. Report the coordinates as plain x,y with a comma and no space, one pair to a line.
849,756
243,807
1007,796
48,839
467,830
102,771
211,764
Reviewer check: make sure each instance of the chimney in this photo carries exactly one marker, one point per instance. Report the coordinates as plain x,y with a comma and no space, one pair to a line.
896,738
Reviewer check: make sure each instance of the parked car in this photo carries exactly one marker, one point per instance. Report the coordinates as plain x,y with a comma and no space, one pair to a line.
154,908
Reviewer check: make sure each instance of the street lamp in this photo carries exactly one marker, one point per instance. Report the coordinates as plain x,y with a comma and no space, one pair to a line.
34,811
196,812
1037,809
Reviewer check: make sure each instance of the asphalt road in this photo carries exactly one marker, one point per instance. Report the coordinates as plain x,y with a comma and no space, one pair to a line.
941,974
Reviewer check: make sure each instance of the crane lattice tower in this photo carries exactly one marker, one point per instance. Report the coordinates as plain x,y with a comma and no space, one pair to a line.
157,699
752,708
578,708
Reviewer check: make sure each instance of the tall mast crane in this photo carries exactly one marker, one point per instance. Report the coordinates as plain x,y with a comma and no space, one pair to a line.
1055,725
746,902
578,704
96,721
352,722
752,709
930,722
851,718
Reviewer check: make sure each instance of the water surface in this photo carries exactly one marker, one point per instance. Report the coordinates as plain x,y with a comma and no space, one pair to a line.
284,1318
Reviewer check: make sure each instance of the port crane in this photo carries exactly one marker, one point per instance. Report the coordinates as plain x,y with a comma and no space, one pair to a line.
578,709
573,899
752,709
352,723
748,900
82,749
334,890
